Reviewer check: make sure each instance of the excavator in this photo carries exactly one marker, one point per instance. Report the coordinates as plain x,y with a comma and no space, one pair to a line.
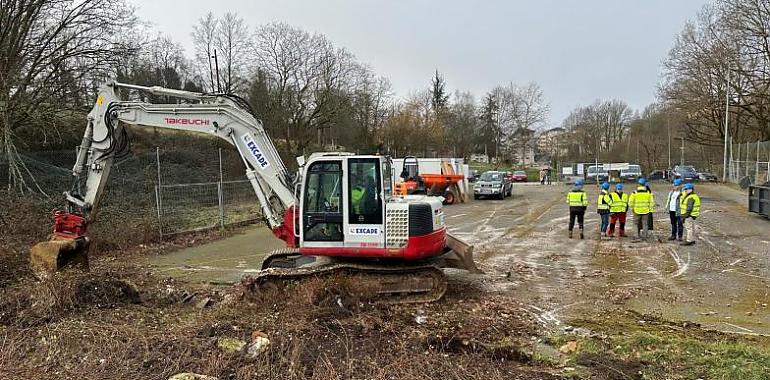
337,214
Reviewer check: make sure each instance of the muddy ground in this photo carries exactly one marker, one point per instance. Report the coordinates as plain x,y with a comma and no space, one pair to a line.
547,307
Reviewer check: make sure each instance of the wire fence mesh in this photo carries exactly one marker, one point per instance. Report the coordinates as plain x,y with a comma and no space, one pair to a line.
199,206
749,163
157,191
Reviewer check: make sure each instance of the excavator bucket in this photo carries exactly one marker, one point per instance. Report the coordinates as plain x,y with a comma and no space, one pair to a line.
460,255
52,256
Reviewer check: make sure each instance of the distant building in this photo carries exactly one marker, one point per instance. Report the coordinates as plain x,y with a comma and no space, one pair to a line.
524,155
551,143
480,158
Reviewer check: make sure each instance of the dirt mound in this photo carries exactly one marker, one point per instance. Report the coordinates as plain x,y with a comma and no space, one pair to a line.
31,302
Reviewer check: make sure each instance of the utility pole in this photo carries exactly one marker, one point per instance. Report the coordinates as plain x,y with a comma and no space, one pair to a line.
727,113
216,67
668,129
681,158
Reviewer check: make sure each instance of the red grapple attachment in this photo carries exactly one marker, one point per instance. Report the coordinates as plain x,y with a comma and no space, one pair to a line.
68,246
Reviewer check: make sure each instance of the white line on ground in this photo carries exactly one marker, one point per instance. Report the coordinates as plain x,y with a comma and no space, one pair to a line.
738,327
457,216
680,264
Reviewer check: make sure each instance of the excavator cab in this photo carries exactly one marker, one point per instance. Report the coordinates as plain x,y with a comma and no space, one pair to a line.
343,203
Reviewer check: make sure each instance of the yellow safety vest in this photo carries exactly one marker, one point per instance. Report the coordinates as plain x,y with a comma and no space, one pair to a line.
641,201
695,204
619,202
577,199
356,195
604,201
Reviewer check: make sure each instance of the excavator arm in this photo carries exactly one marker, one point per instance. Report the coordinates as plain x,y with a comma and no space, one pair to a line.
225,116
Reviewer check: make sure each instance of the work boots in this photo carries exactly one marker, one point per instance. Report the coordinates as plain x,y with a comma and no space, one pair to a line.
570,234
581,234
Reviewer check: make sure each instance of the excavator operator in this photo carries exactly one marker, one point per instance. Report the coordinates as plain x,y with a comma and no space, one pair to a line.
363,195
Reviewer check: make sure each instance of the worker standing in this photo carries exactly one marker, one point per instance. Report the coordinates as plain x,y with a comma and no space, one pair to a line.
672,205
578,202
603,208
689,207
642,202
618,209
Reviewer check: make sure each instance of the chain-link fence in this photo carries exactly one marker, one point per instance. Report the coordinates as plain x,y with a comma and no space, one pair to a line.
156,192
749,162
198,206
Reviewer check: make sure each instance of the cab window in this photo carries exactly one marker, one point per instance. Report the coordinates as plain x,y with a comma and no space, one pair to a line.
364,191
323,196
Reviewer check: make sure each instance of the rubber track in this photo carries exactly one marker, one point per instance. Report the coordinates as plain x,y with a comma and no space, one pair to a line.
371,274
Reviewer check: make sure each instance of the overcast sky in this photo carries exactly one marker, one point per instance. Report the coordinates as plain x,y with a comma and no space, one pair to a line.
578,51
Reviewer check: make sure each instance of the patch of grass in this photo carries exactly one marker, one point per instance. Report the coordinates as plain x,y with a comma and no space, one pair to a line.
668,350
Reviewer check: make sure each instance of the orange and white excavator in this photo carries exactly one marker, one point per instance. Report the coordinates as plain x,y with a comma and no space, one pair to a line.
337,215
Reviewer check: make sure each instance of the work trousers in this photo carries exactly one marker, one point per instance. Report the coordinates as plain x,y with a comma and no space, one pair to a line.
677,227
576,213
617,217
642,225
605,222
689,226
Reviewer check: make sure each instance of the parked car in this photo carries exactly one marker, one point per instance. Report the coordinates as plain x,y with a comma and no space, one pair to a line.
686,173
492,184
519,176
632,173
597,175
707,177
656,175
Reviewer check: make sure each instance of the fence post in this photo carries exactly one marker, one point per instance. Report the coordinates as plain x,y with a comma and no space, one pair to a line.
160,218
747,159
158,194
756,170
220,192
221,205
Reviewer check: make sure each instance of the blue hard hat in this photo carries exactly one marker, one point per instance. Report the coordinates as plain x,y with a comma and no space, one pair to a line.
605,186
642,181
579,182
677,182
689,186
619,186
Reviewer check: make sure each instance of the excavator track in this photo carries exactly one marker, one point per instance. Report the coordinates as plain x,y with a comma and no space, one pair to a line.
381,283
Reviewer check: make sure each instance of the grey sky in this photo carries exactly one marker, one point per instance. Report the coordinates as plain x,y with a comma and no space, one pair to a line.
578,51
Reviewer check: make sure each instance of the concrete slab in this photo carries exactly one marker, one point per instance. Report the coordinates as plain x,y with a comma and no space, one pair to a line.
221,262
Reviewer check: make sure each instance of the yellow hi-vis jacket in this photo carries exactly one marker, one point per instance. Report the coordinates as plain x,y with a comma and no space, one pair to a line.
577,199
604,202
641,201
619,202
357,195
685,208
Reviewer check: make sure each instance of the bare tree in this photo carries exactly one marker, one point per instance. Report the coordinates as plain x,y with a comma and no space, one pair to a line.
53,51
301,78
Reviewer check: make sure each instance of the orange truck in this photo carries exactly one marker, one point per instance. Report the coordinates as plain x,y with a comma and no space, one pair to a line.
414,182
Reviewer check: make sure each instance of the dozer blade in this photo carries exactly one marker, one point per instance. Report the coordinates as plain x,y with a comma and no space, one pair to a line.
460,255
52,256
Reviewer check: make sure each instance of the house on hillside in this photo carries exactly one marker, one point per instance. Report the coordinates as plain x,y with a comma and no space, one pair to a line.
551,143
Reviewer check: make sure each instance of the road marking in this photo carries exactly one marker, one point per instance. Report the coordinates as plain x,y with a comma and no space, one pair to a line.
457,216
735,262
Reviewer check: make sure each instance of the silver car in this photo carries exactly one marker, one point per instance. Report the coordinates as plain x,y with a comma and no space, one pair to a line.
493,184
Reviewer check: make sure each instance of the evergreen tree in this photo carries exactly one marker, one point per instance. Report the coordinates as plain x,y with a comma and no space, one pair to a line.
439,97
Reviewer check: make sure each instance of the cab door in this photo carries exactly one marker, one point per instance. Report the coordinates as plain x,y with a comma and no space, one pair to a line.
365,200
322,200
